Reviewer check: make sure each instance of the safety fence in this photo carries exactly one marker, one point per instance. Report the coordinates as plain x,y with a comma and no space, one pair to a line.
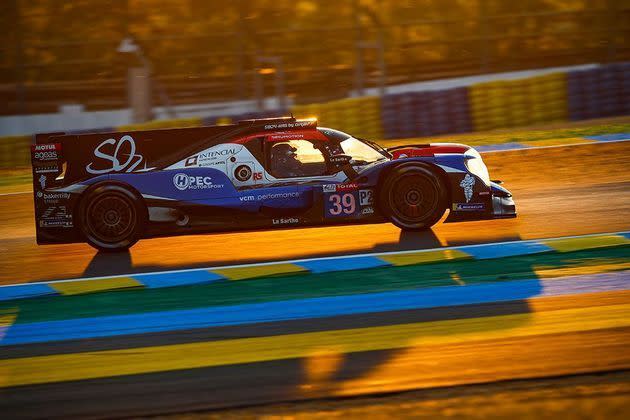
574,95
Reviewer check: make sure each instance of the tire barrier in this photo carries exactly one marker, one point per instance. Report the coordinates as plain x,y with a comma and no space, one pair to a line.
576,95
513,103
598,93
420,114
360,117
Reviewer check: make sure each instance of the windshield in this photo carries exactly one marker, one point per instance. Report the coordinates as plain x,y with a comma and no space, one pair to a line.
360,152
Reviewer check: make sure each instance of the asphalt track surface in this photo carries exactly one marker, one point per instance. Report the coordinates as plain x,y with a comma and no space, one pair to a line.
583,396
562,344
559,192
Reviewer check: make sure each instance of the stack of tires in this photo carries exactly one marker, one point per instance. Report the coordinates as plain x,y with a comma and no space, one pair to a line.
398,115
417,114
362,117
513,103
600,92
548,98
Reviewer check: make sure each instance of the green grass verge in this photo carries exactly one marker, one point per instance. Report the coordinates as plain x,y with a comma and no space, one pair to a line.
304,286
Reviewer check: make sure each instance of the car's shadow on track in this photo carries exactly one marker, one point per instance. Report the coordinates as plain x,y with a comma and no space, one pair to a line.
364,365
411,240
428,239
104,263
121,263
114,263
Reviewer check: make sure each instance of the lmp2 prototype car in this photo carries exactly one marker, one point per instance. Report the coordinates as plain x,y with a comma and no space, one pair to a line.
112,189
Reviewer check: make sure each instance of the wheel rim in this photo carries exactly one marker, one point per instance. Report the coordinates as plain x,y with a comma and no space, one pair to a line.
111,218
413,198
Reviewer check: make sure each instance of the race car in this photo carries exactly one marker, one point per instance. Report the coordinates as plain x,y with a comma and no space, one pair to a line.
112,189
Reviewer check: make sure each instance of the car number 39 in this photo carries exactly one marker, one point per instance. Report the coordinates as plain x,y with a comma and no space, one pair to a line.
342,204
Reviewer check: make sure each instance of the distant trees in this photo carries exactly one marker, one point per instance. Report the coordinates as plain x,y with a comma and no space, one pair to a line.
49,40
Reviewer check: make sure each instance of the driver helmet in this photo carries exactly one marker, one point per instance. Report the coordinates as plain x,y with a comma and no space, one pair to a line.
284,150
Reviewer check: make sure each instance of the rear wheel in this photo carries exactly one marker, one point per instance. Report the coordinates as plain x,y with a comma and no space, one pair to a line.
413,197
112,218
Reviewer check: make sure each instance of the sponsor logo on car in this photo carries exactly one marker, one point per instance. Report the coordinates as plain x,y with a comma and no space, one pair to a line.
290,125
46,169
53,195
55,216
216,155
286,221
258,176
191,161
290,136
468,206
185,182
339,160
347,187
467,184
339,187
55,223
367,210
275,196
47,146
46,152
270,196
109,154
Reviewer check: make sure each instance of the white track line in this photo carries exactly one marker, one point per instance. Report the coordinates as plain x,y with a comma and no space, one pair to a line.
487,151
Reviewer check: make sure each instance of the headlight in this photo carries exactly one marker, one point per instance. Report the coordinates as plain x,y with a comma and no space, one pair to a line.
475,165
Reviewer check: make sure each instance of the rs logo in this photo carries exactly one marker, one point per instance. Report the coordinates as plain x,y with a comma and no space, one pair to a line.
125,147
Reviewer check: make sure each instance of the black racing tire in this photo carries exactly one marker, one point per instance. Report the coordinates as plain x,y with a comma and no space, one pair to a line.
112,218
413,197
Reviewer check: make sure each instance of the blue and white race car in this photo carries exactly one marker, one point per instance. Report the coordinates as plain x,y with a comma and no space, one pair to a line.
112,189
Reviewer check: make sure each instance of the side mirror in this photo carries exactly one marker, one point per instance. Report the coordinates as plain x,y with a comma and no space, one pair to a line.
339,161
342,163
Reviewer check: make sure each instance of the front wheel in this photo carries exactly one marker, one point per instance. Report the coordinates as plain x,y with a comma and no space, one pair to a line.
413,197
112,218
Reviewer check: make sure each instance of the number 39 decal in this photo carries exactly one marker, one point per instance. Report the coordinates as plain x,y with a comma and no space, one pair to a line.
341,204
